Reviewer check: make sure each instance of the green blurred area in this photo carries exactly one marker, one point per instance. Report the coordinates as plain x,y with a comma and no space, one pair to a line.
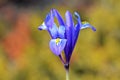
25,53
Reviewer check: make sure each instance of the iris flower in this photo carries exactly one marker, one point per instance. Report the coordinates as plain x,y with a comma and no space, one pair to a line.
64,36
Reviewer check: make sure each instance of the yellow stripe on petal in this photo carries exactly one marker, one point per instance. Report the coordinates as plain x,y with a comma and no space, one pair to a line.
84,22
57,41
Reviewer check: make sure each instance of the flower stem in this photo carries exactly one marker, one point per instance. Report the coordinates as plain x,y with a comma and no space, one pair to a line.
67,75
67,70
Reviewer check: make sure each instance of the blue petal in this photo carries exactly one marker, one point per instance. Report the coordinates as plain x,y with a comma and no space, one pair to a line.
69,35
58,16
47,18
61,32
77,16
87,25
53,31
46,23
42,27
76,34
57,46
69,20
77,28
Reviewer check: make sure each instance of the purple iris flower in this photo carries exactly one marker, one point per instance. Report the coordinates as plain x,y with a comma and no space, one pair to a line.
64,36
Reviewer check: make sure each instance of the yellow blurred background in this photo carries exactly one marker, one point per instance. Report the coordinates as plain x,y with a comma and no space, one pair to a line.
25,53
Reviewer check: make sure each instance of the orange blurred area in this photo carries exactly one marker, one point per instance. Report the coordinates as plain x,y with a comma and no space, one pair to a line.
25,53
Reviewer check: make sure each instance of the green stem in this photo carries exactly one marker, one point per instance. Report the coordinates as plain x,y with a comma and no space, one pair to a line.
67,70
67,75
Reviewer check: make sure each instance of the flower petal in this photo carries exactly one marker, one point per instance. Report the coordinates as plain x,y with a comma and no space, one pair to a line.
69,20
42,27
57,45
87,25
77,28
47,18
61,32
58,16
53,31
49,21
69,35
77,16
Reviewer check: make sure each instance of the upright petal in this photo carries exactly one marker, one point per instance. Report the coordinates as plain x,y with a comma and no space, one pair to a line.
77,28
57,45
47,18
53,31
48,22
68,35
61,32
77,17
87,25
69,20
58,16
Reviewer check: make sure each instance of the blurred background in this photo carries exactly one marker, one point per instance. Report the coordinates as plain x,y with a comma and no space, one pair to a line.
25,53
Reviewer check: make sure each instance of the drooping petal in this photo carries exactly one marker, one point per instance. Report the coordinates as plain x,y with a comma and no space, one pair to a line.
46,23
42,27
53,31
61,32
57,45
87,25
58,16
